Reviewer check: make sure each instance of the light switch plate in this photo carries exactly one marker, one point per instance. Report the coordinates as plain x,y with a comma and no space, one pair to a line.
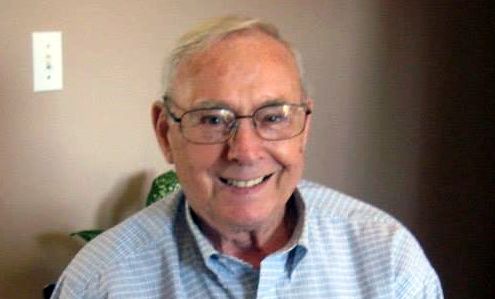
47,61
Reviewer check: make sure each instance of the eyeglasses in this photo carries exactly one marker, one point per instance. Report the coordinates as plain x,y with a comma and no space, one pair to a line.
216,125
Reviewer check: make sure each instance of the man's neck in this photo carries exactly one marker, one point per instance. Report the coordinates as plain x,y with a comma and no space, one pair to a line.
252,245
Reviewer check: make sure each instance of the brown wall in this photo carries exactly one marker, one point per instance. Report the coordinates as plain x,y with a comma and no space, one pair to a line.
83,157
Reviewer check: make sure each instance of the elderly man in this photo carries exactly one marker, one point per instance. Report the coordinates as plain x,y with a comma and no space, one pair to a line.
234,122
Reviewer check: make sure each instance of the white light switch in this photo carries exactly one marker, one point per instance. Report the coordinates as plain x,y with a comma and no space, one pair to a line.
47,61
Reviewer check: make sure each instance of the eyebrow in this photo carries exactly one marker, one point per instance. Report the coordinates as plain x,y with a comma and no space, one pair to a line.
220,104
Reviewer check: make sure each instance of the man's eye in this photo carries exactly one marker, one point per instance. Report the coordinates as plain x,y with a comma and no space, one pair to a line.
274,118
211,120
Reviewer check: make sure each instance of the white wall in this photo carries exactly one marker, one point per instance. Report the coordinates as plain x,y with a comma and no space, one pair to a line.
83,157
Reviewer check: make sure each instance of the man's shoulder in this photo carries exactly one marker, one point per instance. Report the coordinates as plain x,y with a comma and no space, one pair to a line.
150,230
332,215
336,206
144,229
366,242
350,225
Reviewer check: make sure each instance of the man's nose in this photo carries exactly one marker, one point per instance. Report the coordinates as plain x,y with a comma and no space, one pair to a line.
245,145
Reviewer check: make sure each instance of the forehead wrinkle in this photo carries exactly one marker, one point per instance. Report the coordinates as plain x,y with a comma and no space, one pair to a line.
211,103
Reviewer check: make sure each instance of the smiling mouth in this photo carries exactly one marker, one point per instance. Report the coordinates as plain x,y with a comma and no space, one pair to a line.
245,183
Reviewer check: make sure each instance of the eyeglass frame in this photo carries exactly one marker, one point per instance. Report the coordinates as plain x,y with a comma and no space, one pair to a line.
235,123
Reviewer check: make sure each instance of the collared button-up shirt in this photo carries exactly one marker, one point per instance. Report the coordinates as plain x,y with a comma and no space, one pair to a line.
340,248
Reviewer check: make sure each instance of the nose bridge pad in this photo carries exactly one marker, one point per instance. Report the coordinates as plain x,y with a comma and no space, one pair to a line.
233,131
236,125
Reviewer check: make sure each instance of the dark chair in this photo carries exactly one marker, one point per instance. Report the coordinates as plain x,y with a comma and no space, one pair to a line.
48,290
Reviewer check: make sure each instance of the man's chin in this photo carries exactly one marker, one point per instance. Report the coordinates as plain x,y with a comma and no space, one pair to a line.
244,220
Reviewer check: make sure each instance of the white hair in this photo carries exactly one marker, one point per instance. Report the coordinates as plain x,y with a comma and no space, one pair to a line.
214,30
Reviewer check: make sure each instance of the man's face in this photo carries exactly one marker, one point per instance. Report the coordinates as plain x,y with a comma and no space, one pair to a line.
243,72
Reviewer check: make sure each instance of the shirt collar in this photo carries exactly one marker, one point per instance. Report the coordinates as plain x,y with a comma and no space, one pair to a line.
296,248
205,247
299,239
300,235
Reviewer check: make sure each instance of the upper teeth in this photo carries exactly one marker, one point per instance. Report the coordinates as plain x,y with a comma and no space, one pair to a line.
244,184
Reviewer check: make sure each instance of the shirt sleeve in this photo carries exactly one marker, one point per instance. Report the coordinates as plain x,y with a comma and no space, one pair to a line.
414,277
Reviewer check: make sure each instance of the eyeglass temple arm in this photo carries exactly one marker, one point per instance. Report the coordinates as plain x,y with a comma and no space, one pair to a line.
169,112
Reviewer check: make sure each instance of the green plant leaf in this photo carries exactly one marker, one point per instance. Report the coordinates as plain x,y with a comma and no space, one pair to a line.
87,235
162,186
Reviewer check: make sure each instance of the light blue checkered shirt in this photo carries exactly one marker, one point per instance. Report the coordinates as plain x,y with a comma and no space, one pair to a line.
341,248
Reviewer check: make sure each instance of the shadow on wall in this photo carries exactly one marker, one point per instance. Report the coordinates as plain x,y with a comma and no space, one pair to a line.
27,279
56,249
125,199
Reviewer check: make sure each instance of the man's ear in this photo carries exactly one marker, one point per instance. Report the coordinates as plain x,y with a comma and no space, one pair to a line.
307,129
162,129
